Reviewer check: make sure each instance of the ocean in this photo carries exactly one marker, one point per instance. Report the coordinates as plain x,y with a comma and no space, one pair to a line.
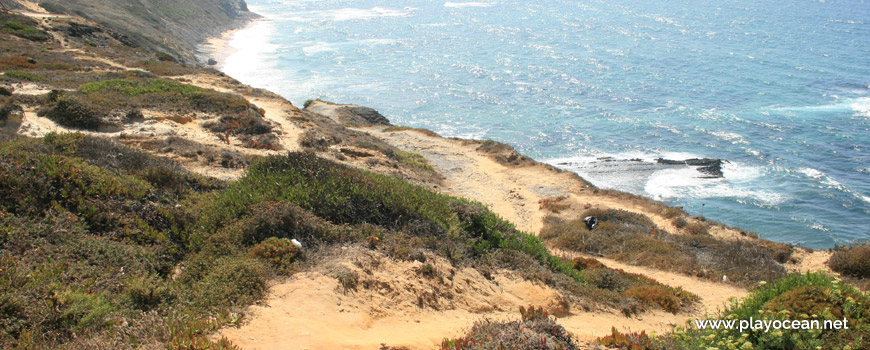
780,90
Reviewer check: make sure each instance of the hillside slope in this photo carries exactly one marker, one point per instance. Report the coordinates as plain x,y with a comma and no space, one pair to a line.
171,26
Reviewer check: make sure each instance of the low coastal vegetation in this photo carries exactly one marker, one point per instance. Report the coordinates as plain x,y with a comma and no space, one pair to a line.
132,249
798,297
635,239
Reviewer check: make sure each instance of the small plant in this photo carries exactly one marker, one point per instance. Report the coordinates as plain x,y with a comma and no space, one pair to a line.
672,212
427,270
581,263
679,222
414,160
553,204
629,341
655,295
853,261
533,313
696,228
398,128
280,252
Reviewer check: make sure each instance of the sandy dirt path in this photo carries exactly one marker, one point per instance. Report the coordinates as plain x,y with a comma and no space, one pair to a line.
305,312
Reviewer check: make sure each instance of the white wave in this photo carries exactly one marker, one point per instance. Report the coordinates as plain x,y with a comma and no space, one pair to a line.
732,137
861,106
830,182
466,4
858,106
812,173
348,14
317,47
689,183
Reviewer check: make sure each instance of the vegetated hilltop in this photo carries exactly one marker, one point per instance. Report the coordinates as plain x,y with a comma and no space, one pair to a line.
112,237
172,26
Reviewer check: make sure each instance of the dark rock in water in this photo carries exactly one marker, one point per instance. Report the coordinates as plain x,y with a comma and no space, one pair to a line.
709,166
369,115
212,62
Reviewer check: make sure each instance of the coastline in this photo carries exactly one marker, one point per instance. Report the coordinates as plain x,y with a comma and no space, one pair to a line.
219,48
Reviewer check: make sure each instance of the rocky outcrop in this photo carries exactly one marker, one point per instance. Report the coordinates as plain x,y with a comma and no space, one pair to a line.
347,114
708,166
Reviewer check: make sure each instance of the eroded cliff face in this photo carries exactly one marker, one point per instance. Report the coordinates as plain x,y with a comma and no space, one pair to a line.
173,27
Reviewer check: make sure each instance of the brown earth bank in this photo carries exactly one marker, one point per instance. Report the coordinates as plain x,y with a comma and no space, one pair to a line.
354,296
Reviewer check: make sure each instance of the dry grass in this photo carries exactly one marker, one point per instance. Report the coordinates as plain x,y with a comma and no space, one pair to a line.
852,261
628,237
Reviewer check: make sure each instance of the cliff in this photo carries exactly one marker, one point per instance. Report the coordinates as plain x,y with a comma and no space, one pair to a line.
173,27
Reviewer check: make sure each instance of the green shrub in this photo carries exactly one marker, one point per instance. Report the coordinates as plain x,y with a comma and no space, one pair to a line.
146,293
237,280
70,112
161,93
23,75
414,160
24,31
280,252
83,310
797,297
165,57
679,222
852,261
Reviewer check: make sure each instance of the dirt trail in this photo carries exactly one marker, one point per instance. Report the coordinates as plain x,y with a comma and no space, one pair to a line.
308,311
312,310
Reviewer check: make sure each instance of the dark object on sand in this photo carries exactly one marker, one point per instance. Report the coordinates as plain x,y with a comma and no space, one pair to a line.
591,222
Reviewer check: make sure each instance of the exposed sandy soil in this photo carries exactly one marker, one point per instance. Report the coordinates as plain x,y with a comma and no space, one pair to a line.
313,311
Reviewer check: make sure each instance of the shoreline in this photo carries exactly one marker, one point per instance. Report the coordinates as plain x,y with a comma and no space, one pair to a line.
219,48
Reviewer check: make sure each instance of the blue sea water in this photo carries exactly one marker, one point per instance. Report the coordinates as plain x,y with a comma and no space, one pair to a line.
779,89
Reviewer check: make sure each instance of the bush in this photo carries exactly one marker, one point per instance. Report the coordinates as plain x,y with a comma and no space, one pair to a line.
280,252
231,281
630,340
146,293
798,297
23,75
413,160
679,222
25,31
853,261
581,263
70,112
655,295
673,212
531,333
696,228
